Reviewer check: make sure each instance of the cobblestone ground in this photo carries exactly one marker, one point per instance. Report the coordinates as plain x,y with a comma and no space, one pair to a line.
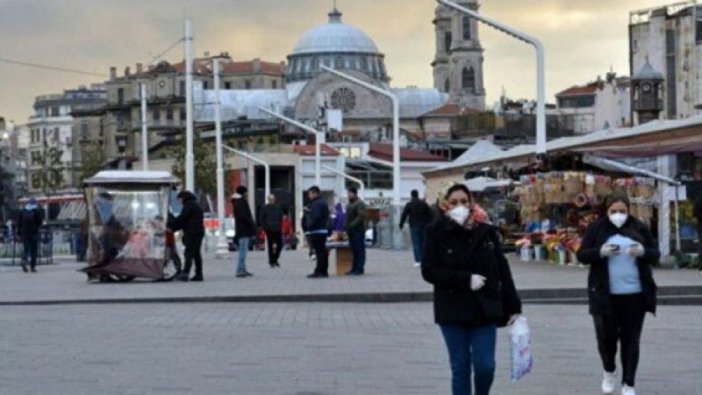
309,349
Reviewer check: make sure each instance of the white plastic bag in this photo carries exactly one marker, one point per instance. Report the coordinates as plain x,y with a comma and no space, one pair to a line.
520,339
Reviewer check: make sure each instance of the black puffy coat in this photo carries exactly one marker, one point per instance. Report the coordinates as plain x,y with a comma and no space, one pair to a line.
271,218
598,279
451,255
190,220
419,214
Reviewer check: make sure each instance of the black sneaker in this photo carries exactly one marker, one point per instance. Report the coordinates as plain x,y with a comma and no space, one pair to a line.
197,277
242,274
24,268
318,275
182,277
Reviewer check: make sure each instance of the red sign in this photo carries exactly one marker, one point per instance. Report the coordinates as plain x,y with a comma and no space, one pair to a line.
211,223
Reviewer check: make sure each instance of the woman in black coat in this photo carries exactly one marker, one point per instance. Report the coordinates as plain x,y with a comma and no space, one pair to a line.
620,251
473,290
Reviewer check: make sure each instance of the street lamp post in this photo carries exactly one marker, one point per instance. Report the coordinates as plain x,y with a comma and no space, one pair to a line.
397,238
144,130
189,156
317,141
361,190
540,68
221,240
267,187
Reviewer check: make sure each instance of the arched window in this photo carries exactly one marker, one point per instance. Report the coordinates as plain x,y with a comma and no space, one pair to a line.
338,62
469,79
448,37
315,65
447,85
466,28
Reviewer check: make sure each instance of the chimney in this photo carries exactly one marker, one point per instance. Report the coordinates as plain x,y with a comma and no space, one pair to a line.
113,73
139,68
257,65
126,71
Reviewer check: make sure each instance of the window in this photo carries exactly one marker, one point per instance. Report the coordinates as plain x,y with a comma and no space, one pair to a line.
469,79
205,85
338,62
169,114
274,84
181,87
36,180
247,84
182,114
120,96
448,37
227,85
55,111
157,114
447,85
466,28
56,135
698,25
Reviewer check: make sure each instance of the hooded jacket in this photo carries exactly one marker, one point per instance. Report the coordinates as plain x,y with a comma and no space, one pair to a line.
598,280
190,220
243,219
31,218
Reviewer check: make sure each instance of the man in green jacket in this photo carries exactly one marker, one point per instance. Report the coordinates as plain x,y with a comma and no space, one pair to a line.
356,230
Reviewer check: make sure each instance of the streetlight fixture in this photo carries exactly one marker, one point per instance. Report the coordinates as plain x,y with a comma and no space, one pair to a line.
361,190
397,238
267,187
540,68
318,135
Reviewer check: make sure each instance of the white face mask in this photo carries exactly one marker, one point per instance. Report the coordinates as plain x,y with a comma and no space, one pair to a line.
459,214
618,219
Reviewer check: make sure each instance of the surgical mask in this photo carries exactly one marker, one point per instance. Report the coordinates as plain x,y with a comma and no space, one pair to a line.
618,219
459,214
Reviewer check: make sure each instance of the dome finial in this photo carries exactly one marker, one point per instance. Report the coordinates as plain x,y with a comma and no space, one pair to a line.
335,15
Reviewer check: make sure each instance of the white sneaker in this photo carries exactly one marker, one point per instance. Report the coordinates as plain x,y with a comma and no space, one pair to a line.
609,383
417,264
626,390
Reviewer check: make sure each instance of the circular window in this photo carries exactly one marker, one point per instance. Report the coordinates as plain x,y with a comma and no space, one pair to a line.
343,99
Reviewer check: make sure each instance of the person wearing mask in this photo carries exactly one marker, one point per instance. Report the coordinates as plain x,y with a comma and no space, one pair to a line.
620,251
30,221
420,215
474,292
318,229
245,228
271,220
355,227
190,221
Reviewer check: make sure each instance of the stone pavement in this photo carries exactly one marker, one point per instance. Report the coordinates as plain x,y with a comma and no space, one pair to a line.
390,277
309,349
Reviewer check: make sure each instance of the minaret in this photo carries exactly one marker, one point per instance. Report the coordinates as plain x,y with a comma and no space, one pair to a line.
458,64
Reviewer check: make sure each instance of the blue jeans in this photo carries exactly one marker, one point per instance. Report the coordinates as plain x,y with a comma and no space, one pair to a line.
471,347
417,242
357,243
243,250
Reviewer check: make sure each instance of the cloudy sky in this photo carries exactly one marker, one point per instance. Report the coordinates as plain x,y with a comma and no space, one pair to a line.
583,38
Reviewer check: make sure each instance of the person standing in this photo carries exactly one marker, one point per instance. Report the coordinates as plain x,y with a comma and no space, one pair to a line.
420,216
620,250
474,292
191,222
356,230
318,229
245,228
271,220
31,219
697,211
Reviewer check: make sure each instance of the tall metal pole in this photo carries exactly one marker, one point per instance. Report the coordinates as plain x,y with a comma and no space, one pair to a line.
397,237
189,156
317,139
144,131
540,67
221,240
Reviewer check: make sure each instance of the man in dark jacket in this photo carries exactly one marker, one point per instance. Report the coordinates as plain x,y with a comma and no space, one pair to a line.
271,220
190,221
31,218
245,228
318,229
420,216
355,227
698,215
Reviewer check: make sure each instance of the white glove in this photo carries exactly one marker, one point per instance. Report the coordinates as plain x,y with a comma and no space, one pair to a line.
476,282
637,250
609,250
513,319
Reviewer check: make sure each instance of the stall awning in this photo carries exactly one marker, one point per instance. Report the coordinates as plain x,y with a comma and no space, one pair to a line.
612,165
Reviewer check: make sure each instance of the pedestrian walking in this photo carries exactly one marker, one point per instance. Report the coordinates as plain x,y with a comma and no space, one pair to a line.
620,251
697,210
355,227
271,220
420,215
318,229
30,221
474,292
190,221
245,228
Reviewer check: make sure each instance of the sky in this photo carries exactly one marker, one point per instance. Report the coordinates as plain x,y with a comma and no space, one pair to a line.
583,39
